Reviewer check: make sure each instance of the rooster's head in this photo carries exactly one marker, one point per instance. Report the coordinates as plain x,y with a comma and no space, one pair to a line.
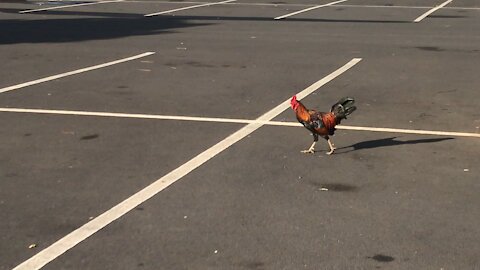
294,103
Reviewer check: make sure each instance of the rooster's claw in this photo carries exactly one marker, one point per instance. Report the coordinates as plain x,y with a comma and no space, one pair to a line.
309,151
331,151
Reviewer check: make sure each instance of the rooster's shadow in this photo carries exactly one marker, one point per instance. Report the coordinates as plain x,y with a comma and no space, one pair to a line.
388,142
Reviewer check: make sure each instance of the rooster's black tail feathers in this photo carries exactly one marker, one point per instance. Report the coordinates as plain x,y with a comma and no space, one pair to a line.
343,107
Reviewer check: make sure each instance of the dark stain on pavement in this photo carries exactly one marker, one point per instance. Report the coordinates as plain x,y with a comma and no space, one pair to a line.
438,49
430,48
254,265
382,258
336,187
198,64
90,137
189,63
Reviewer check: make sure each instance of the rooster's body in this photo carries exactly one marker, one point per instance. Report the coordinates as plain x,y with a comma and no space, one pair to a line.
322,123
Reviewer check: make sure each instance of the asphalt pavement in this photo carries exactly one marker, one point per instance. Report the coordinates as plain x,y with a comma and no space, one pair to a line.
382,201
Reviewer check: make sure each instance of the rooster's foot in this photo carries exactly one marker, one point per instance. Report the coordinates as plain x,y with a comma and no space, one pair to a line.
331,151
310,150
332,147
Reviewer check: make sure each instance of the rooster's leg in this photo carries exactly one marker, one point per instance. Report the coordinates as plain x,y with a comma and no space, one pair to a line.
311,150
332,147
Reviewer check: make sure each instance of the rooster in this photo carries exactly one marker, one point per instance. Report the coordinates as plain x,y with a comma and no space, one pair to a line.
321,123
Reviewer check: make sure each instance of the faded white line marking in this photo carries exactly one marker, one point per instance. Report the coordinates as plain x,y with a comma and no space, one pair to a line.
69,6
69,241
308,9
54,77
236,121
295,5
411,131
129,115
423,16
190,7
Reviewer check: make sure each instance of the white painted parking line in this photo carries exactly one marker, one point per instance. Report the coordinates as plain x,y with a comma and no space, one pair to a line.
235,121
61,246
296,4
308,9
291,5
69,6
58,76
190,7
423,16
130,115
411,131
